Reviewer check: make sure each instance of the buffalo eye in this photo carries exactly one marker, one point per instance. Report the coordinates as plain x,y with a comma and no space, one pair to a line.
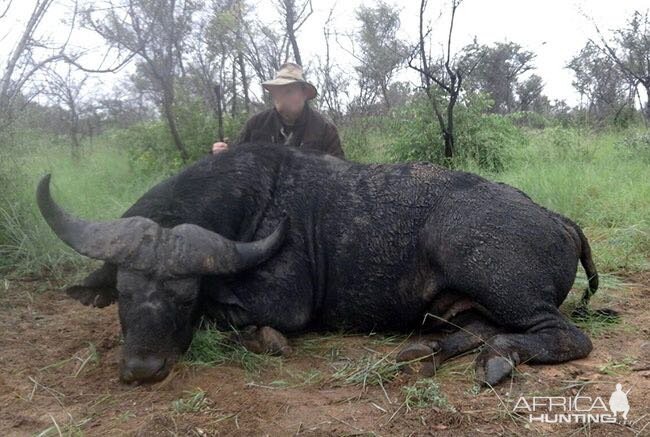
184,290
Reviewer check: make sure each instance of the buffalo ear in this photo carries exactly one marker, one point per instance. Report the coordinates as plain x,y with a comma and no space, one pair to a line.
98,289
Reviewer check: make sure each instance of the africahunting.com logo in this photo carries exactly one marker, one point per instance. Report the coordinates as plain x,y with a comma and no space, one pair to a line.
575,409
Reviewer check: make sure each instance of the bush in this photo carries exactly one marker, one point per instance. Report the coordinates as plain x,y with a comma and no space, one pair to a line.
415,134
486,140
151,147
482,140
531,120
636,145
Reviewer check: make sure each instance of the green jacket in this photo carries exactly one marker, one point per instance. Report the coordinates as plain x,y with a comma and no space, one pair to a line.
312,131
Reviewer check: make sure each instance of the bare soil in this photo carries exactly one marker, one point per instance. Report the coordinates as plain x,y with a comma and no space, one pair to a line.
59,367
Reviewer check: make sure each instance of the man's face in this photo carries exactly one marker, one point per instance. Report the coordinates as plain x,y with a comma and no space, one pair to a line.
289,100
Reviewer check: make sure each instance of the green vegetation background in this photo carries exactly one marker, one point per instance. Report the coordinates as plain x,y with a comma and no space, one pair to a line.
599,178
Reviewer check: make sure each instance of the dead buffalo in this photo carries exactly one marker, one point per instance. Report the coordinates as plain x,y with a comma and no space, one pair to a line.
286,241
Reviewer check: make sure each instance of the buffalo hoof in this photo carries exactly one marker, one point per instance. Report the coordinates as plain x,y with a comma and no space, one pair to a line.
495,368
264,340
418,358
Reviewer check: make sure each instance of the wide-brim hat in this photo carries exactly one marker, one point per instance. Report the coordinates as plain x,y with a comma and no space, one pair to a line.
290,73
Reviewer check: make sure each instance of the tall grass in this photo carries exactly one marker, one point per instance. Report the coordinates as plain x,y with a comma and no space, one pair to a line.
593,179
600,180
102,184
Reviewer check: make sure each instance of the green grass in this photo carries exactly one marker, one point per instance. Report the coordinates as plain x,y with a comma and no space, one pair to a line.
328,346
617,367
101,185
192,402
372,369
588,178
596,324
597,179
211,347
424,393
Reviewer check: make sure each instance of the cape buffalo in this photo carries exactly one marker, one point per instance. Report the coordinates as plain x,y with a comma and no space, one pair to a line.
288,241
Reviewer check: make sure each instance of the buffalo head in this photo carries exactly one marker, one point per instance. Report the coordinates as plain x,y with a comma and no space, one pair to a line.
158,277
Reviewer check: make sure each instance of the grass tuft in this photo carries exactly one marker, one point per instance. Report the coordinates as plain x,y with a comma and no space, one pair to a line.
369,370
597,324
192,402
70,429
424,393
617,367
212,347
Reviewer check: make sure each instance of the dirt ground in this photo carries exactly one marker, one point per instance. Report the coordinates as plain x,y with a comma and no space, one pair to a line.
58,376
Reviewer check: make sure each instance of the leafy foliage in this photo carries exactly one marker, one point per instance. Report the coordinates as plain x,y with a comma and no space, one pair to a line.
498,74
150,145
592,177
636,145
483,140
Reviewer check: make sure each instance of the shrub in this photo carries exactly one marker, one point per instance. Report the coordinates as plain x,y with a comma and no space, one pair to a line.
636,145
486,140
482,140
150,145
531,120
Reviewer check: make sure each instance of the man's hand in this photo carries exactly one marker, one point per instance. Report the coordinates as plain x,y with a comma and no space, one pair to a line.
219,146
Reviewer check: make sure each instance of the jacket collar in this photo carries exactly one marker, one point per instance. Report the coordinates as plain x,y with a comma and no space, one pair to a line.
301,121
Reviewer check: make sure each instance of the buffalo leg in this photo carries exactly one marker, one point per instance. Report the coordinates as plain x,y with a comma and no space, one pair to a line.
262,340
98,288
554,341
468,337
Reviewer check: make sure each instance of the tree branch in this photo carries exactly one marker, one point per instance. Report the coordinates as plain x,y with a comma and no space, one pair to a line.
4,13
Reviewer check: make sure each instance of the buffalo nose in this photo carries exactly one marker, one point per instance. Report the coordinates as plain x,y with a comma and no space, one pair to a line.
143,369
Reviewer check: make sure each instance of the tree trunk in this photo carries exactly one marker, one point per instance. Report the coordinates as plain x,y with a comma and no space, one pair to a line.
168,111
241,23
449,134
647,103
384,92
294,46
10,86
244,80
290,20
233,108
219,113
